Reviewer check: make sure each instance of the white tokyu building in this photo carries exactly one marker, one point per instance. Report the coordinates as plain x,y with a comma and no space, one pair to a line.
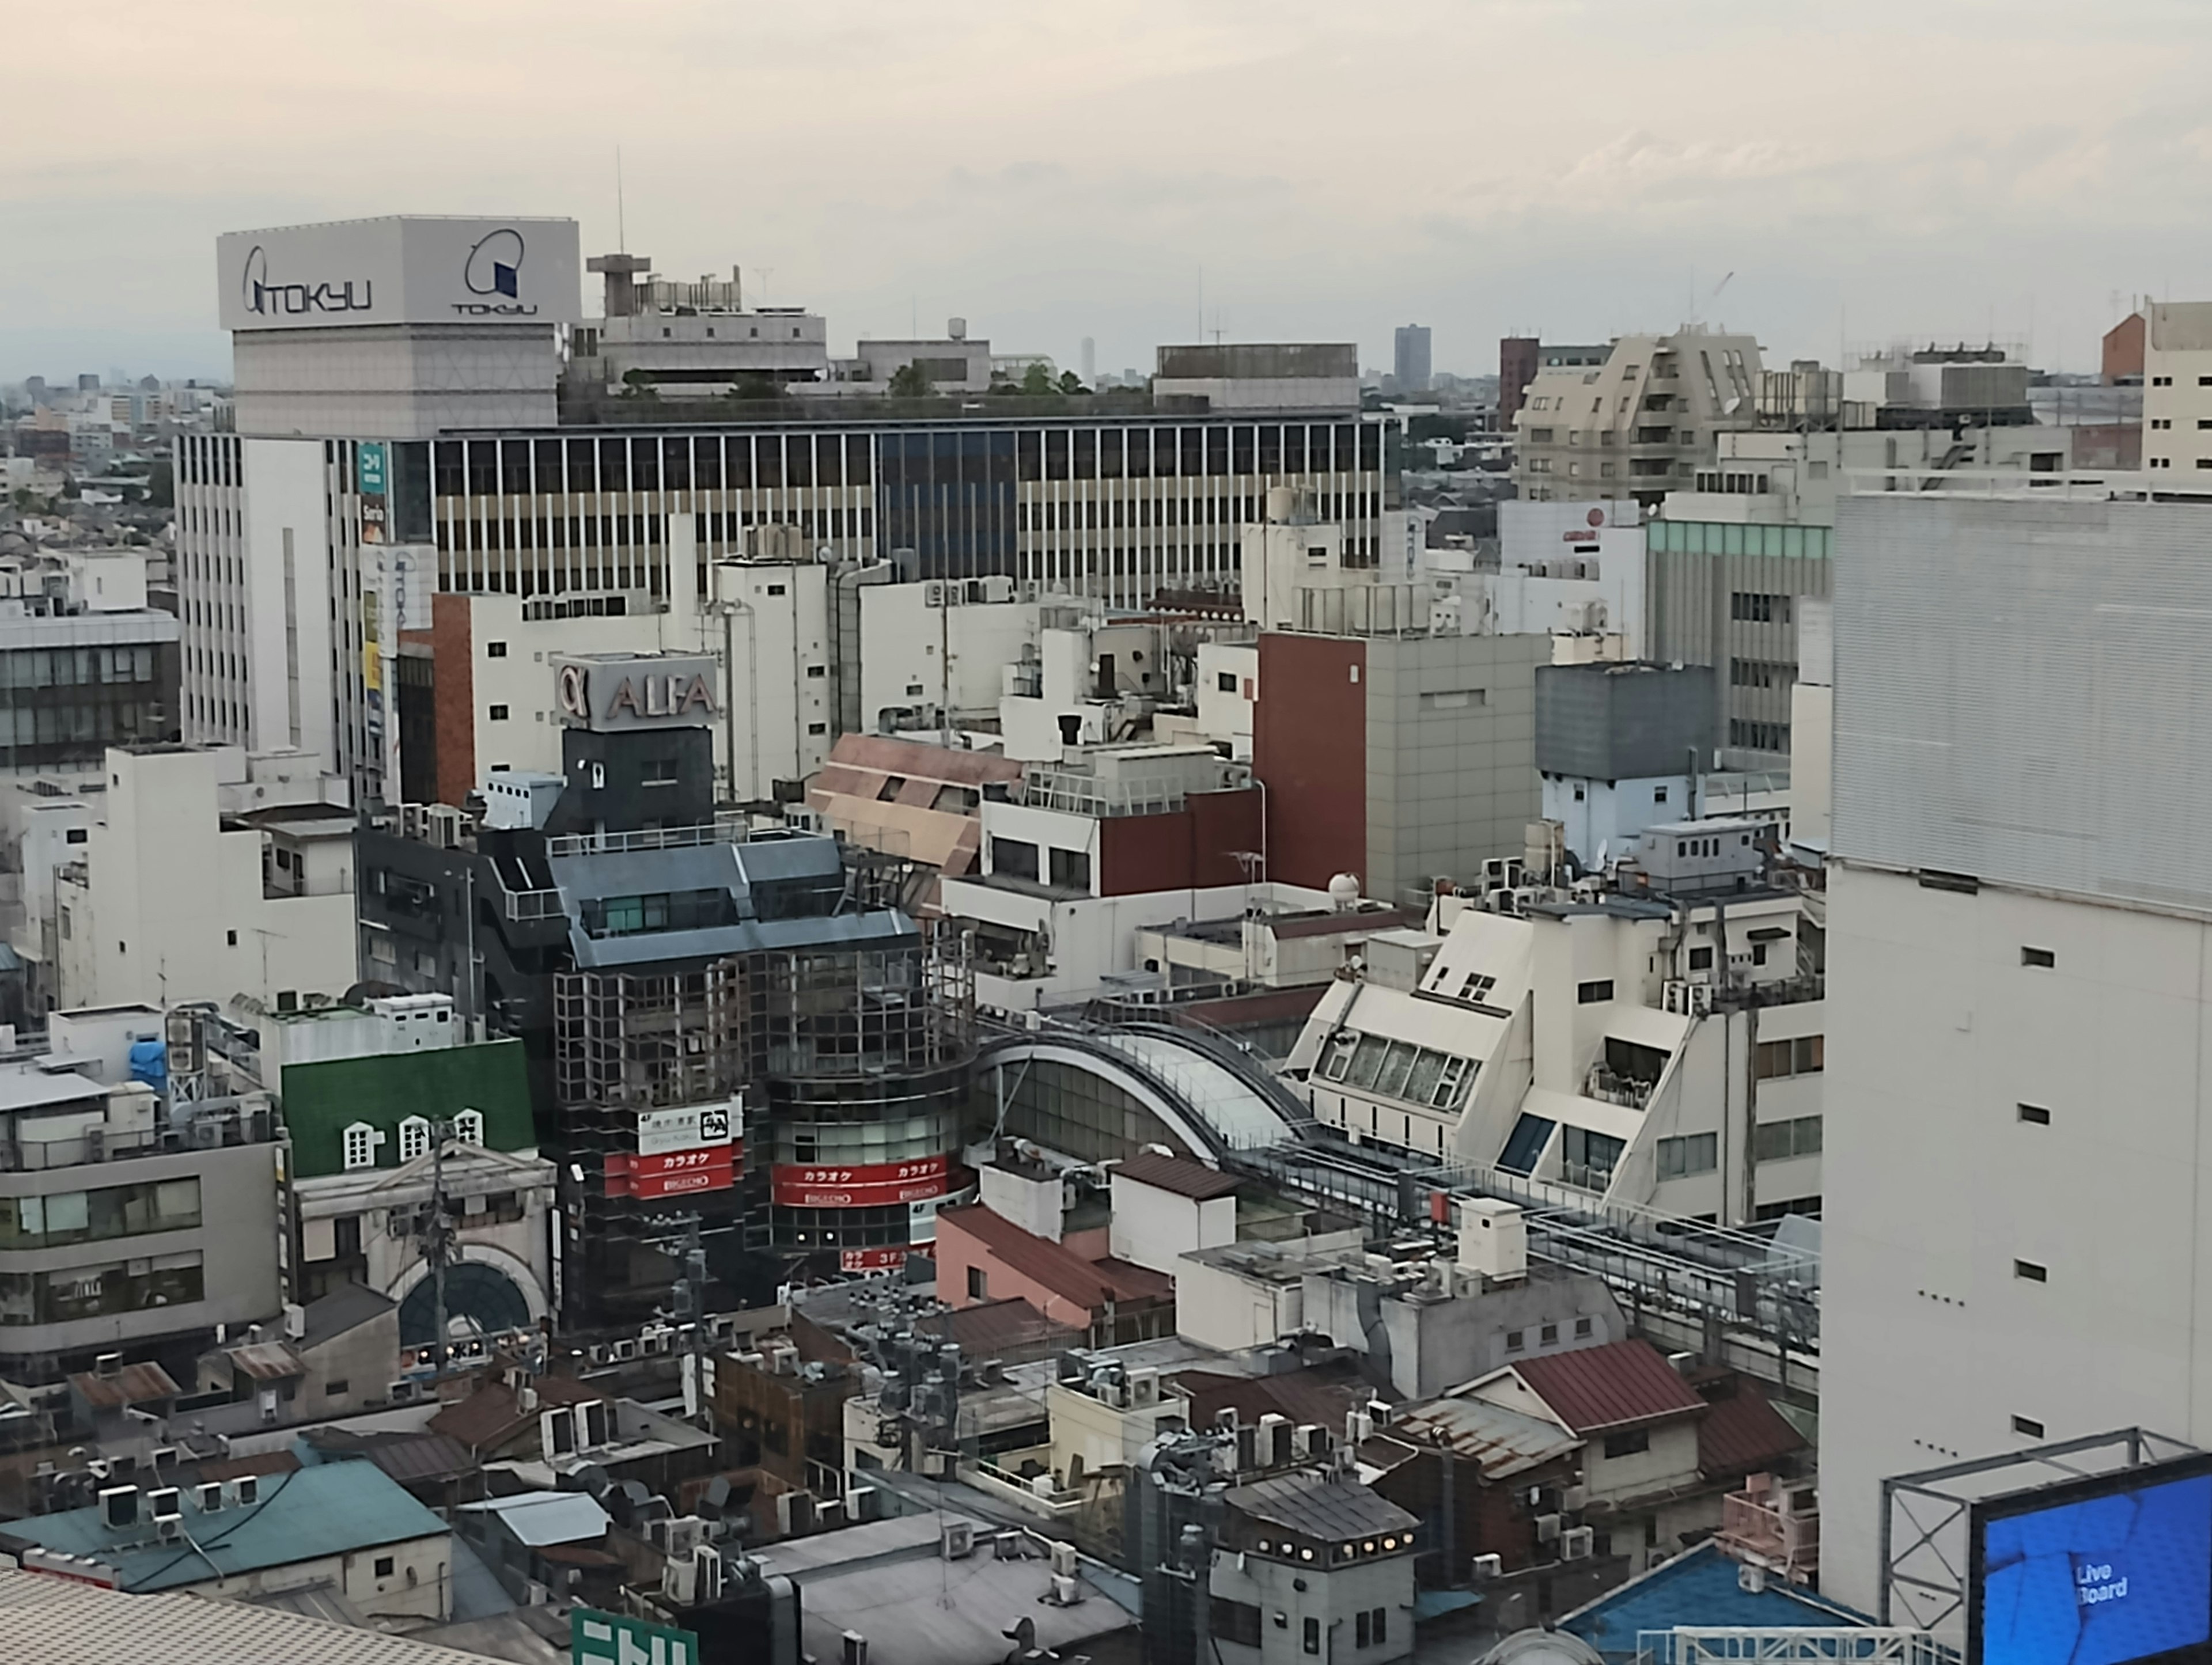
2018,974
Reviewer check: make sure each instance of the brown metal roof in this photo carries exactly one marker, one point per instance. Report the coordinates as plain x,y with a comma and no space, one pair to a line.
1742,1432
1614,1386
234,1468
134,1384
1337,925
492,1415
1319,1394
1180,1175
1086,1284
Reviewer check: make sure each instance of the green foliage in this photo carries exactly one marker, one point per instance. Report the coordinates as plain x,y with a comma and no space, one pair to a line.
1037,382
908,382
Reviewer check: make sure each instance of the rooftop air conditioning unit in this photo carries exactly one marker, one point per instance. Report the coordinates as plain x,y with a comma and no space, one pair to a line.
1143,1388
1065,1592
165,1502
1063,1560
1488,1566
679,1582
1576,1542
1547,1529
1574,1498
957,1543
1751,1580
707,1572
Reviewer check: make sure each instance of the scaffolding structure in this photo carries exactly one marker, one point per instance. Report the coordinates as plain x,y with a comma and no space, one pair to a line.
902,1010
625,1043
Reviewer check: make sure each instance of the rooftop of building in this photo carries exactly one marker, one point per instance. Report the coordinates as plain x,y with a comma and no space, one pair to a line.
887,1580
1180,1175
1699,1588
494,1412
333,1508
1090,1285
1621,1384
1317,1506
57,1619
540,1518
1501,1442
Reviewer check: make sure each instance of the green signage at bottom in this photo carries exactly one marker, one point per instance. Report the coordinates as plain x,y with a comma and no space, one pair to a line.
609,1638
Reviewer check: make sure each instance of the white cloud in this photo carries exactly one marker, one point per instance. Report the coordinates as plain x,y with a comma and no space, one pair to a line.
1062,170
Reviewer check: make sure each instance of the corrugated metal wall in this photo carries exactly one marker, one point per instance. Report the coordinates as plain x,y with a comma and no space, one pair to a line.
2024,693
1697,568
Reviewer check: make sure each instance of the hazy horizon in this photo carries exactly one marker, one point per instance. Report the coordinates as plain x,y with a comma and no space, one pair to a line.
1573,168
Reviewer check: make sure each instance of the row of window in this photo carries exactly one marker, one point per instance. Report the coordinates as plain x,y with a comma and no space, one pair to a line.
978,456
1760,673
1756,607
1807,1055
1064,870
98,1292
1777,1141
1759,737
1689,1154
1544,1335
359,1140
1398,1069
112,1210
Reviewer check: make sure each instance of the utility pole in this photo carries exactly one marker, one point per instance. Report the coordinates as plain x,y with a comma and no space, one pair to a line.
440,1245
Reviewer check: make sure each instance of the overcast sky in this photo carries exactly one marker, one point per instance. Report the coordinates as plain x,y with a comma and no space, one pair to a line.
1576,168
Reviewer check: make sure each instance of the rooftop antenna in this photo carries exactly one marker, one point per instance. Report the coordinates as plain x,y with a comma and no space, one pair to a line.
622,224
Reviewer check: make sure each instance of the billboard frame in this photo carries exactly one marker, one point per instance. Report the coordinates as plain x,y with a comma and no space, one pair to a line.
1934,1579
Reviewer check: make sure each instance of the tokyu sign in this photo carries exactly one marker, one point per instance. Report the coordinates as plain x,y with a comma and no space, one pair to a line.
610,1639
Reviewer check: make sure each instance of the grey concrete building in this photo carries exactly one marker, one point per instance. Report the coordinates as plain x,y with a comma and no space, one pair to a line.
1728,595
1621,747
129,1223
1399,758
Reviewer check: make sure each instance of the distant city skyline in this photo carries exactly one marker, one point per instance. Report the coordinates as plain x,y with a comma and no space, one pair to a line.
1126,174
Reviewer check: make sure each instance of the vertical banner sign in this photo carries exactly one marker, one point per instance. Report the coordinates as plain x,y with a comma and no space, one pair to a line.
371,462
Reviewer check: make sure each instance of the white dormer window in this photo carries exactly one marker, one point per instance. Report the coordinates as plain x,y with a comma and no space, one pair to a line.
468,1127
414,1138
360,1141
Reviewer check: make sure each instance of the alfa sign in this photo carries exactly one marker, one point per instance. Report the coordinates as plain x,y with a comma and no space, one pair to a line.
866,1185
608,691
610,1639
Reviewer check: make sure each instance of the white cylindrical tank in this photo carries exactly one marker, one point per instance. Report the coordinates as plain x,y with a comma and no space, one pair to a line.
1343,892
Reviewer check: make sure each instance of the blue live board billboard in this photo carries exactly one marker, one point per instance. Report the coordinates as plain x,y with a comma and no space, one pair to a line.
2106,1571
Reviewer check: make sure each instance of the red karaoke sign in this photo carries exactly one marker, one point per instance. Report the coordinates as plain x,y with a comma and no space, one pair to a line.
867,1185
674,1173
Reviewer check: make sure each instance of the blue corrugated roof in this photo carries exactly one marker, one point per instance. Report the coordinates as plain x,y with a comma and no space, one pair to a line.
331,1509
1697,1587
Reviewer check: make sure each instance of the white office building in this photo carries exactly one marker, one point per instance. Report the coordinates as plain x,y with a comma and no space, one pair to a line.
1657,1045
2019,896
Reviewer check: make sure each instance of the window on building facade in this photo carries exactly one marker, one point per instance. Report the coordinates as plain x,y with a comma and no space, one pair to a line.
469,1127
1588,1158
1688,1154
1592,994
1631,1443
359,1143
1807,1055
1778,1141
414,1138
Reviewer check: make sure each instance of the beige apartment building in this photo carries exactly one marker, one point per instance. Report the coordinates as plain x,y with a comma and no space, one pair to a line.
1643,422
